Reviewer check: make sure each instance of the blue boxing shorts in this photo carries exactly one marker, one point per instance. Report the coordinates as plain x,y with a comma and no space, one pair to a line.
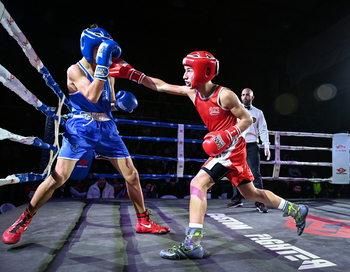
84,134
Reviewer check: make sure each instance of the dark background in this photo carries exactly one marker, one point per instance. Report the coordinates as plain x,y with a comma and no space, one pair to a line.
282,50
272,47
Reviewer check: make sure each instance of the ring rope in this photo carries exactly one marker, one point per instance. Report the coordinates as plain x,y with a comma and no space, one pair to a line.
5,134
152,176
277,147
146,157
161,139
11,82
13,30
16,86
158,124
142,176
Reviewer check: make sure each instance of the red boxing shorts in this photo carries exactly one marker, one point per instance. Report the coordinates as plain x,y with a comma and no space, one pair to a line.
233,162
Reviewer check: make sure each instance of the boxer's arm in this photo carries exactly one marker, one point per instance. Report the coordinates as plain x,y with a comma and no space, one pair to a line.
229,100
77,81
121,69
161,86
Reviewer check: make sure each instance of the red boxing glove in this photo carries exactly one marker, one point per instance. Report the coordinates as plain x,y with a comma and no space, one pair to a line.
121,69
216,142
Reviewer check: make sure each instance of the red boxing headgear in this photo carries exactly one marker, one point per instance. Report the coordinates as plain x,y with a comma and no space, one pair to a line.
205,67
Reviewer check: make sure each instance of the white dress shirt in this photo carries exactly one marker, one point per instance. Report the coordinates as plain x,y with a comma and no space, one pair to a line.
257,129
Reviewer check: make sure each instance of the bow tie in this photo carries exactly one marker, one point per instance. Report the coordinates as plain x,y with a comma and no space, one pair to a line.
247,107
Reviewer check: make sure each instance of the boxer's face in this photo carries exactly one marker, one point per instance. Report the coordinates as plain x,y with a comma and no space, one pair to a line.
188,76
94,54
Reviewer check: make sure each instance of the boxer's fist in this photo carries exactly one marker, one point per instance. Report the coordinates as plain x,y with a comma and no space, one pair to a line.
106,50
121,69
216,142
126,101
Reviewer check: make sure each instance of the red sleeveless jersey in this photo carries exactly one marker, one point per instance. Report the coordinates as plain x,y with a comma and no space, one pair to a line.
214,116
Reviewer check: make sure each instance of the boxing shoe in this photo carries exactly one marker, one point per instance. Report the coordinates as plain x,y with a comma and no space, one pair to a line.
182,252
190,248
261,207
146,225
299,214
13,233
235,204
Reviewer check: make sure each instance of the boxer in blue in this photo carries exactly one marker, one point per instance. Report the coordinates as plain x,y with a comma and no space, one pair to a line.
92,127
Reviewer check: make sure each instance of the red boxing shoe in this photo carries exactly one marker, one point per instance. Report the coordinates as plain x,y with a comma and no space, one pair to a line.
13,233
146,225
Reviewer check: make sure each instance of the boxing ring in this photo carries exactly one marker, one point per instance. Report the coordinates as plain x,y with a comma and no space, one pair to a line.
99,235
14,84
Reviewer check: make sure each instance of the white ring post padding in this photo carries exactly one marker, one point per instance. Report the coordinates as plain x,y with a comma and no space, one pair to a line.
340,158
180,150
277,165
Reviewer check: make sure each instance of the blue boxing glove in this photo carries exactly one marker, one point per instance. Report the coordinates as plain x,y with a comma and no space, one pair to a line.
126,101
107,50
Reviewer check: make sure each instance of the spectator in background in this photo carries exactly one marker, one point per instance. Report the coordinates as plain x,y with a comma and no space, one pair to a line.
28,192
171,171
78,189
62,191
101,189
293,170
148,190
185,189
295,190
171,189
118,186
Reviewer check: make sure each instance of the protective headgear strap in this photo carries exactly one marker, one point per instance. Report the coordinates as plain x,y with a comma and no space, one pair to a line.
205,67
91,38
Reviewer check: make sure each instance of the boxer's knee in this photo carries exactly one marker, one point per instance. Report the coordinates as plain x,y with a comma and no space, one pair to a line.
200,183
56,180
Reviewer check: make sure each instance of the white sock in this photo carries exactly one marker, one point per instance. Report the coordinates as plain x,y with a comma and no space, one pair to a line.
195,225
282,204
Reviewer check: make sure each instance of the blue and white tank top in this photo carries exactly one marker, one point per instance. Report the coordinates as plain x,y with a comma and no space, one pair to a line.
80,103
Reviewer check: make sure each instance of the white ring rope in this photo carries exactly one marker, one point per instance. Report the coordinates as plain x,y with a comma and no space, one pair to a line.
11,82
13,30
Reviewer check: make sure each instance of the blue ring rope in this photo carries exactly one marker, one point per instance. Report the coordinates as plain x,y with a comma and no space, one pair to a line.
158,124
161,139
32,176
142,176
144,157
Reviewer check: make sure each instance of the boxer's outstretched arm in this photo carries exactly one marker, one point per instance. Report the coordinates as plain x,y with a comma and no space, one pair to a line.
121,69
159,85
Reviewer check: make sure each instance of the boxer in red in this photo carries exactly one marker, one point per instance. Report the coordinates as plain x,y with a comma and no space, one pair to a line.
219,109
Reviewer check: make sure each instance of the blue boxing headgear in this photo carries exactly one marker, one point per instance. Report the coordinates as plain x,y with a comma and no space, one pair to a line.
91,38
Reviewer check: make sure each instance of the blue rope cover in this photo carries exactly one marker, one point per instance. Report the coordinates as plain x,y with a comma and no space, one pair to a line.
158,124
